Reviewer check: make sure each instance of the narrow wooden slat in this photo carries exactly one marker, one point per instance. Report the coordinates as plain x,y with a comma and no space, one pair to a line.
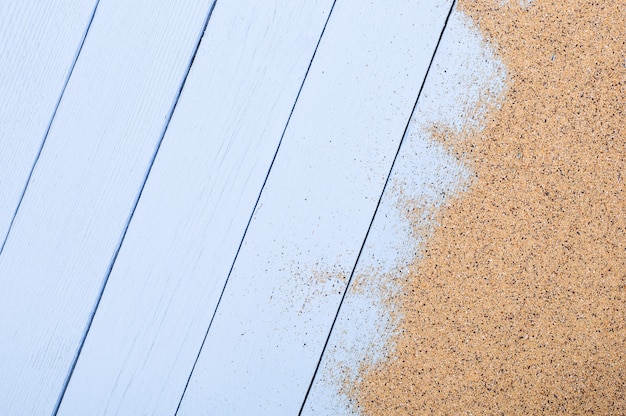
423,177
305,235
39,41
84,187
194,209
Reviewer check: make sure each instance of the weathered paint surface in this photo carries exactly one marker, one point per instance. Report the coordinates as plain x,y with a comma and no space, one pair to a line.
179,248
83,188
39,43
178,241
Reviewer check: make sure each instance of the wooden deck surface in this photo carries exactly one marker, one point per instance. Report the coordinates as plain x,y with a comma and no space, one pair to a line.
189,189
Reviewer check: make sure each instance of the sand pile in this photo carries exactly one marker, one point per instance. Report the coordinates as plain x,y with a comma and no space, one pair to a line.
518,305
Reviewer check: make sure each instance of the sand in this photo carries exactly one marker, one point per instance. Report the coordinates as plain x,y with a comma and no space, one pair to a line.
518,304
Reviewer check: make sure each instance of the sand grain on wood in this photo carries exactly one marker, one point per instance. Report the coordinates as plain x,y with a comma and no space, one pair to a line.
518,305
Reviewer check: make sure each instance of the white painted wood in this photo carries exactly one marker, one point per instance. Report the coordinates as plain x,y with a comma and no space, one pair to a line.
285,288
38,43
83,188
192,214
423,177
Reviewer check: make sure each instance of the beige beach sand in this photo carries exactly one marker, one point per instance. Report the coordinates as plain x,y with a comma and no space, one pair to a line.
518,305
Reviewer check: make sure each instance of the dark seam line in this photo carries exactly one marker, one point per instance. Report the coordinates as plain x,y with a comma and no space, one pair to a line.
132,213
406,128
45,136
232,266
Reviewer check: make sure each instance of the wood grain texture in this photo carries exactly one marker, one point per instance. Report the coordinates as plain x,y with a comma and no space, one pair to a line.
424,177
39,41
314,212
84,187
192,214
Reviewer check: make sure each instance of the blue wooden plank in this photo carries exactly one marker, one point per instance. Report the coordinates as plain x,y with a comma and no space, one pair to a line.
194,209
39,43
59,251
